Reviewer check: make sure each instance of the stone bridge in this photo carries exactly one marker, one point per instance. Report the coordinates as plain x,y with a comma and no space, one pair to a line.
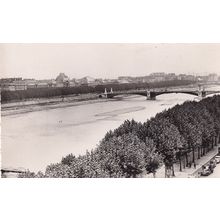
151,95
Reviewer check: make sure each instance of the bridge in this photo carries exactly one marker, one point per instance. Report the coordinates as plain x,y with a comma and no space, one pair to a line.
152,94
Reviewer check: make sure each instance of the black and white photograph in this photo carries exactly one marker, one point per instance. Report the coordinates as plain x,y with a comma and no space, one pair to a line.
110,110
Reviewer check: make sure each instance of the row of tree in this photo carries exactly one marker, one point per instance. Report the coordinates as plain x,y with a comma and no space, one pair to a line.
31,93
180,135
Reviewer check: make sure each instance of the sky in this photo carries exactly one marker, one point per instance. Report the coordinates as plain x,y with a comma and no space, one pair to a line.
46,61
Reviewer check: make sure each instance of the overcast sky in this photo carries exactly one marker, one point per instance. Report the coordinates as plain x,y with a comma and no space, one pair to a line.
41,61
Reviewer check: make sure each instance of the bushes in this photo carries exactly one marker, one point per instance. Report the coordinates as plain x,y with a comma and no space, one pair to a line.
7,96
181,134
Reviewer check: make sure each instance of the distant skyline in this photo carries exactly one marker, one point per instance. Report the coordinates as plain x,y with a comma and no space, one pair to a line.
46,61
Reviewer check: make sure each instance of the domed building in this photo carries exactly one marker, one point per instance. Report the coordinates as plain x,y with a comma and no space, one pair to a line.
62,80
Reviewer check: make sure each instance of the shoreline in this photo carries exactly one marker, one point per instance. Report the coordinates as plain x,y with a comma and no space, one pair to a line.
40,104
16,110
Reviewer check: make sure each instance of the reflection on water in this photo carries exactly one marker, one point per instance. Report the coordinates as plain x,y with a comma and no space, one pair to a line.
36,139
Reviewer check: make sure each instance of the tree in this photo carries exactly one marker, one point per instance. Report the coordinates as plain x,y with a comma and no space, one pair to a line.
152,158
167,140
68,160
125,128
124,156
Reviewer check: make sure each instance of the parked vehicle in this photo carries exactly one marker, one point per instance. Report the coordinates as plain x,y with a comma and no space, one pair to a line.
206,171
212,164
217,159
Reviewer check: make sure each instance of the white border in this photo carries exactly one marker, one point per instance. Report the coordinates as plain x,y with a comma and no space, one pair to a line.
125,21
102,21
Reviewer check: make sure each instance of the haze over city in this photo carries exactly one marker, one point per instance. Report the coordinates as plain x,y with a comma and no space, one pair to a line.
45,61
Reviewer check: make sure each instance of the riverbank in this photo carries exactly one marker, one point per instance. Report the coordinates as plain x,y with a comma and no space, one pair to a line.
40,104
50,103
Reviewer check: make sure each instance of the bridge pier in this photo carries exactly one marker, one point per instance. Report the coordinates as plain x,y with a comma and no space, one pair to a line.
151,98
106,93
151,95
201,94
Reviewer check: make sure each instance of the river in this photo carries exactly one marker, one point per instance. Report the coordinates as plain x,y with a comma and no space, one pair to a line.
35,139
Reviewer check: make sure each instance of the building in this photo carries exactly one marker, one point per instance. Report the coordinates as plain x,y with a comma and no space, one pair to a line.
170,77
125,79
158,74
10,80
62,80
110,81
157,77
187,77
73,83
89,81
15,86
7,87
82,82
42,84
213,77
31,83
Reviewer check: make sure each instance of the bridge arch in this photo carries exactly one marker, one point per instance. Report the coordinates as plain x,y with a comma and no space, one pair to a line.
151,95
177,92
212,93
112,95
